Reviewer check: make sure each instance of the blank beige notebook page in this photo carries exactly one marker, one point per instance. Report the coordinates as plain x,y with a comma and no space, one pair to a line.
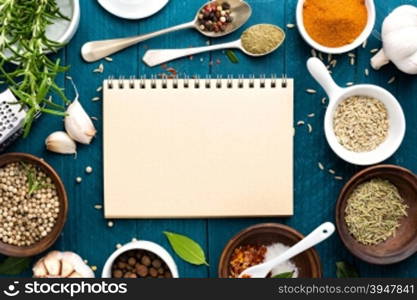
210,150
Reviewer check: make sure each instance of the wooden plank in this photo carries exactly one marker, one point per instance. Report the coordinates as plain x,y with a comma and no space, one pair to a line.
265,11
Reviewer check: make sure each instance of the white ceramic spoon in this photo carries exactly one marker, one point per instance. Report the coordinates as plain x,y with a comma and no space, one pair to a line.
316,237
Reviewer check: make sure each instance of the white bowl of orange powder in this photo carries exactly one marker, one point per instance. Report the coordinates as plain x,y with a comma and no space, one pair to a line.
335,27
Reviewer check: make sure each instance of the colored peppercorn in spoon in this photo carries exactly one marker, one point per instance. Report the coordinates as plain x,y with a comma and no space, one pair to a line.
214,19
258,40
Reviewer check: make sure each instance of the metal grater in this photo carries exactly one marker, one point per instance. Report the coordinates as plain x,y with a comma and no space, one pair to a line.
12,117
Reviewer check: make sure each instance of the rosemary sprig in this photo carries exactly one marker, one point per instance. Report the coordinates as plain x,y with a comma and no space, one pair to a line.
23,41
33,183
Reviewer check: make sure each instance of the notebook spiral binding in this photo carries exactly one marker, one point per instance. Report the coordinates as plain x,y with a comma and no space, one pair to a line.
143,82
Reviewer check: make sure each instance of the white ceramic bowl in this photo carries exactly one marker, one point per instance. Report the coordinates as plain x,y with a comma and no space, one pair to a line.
359,40
133,9
63,31
337,94
141,245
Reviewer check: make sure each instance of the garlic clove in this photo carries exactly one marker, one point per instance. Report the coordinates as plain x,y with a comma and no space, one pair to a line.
67,268
76,275
53,263
78,264
78,124
39,269
60,142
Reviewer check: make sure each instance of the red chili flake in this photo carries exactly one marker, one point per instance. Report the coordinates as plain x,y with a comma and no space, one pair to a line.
172,71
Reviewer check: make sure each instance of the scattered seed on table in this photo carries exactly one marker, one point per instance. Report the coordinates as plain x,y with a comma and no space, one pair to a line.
349,83
391,80
110,224
321,56
311,91
99,89
311,115
365,44
98,206
338,177
68,77
94,268
108,58
290,26
329,58
95,99
331,171
99,69
352,61
313,53
321,167
299,123
89,170
333,63
323,100
375,50
94,118
78,179
353,55
310,128
118,246
366,72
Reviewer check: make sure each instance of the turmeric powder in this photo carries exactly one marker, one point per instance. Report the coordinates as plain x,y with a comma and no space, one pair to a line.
334,23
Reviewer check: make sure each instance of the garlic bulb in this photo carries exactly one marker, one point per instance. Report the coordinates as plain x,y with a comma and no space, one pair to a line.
399,37
62,265
60,142
78,124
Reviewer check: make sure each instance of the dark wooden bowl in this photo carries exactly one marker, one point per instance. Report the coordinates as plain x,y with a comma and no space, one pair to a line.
397,248
50,239
308,262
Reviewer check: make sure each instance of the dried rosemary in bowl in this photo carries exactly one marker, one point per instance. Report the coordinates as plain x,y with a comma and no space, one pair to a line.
374,210
361,123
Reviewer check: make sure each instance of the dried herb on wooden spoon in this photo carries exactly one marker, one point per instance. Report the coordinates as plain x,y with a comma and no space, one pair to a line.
23,41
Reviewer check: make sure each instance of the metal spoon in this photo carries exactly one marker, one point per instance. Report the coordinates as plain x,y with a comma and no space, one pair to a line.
96,50
317,236
155,57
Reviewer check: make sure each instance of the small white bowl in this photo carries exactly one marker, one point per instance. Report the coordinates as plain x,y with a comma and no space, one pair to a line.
338,50
133,9
141,245
62,31
337,94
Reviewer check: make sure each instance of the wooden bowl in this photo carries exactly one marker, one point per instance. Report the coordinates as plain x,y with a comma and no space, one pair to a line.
397,248
308,262
49,240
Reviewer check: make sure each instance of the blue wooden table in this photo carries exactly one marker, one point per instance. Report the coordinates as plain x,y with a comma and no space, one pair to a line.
86,231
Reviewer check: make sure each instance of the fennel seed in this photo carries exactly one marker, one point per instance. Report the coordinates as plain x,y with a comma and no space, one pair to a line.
299,123
99,69
310,128
391,80
311,91
311,115
331,171
360,123
98,206
375,50
290,26
320,165
108,58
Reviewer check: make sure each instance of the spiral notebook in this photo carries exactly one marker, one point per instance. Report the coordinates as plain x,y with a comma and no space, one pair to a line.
188,148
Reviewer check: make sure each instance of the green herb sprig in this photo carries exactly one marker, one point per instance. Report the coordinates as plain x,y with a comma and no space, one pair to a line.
23,41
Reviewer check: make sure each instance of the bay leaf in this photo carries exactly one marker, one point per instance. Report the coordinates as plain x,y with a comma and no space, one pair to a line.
284,275
186,248
14,265
345,270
